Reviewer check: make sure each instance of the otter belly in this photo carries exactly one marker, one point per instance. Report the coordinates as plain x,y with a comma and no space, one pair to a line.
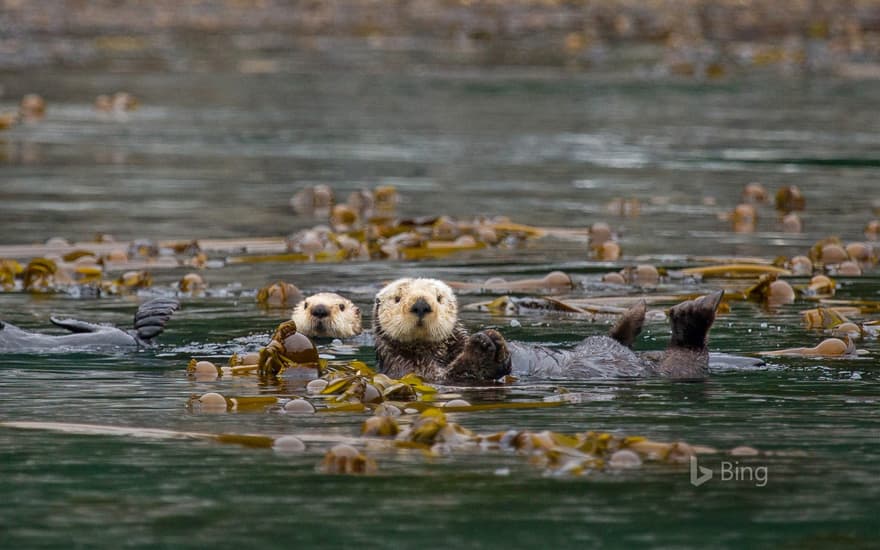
14,339
594,357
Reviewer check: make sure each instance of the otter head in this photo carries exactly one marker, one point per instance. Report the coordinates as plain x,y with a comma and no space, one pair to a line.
327,315
416,310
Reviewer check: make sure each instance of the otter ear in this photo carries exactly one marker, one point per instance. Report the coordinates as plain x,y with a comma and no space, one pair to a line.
357,310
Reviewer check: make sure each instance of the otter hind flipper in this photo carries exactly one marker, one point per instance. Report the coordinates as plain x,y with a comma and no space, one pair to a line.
692,320
75,326
152,316
630,324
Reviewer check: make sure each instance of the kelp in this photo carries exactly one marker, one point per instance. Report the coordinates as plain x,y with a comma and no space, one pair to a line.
572,454
433,433
770,290
288,349
39,275
376,238
733,271
279,294
511,305
820,286
828,348
345,459
825,317
10,270
348,386
555,280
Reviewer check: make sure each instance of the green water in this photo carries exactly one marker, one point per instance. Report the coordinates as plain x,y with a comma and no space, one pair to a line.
218,155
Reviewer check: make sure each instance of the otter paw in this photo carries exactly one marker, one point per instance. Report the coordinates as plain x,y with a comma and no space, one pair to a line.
485,357
496,348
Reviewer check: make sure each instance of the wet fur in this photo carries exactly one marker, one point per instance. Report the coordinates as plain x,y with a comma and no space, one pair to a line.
433,344
686,358
341,318
149,323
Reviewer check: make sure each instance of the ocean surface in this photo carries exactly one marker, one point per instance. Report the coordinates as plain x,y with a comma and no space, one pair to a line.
219,154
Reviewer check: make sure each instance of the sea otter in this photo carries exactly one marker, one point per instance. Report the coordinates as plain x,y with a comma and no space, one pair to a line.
149,322
327,315
416,329
686,358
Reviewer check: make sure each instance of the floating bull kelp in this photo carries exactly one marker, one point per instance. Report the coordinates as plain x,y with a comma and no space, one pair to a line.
641,275
279,294
555,280
345,459
433,433
820,286
599,307
770,291
834,320
79,270
288,350
827,318
828,348
410,239
732,271
192,284
512,305
558,453
344,386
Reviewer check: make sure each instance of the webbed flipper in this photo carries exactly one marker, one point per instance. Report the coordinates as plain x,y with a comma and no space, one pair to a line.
76,326
691,321
629,326
151,317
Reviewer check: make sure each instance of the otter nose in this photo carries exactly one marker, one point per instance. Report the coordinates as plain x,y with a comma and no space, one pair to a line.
320,311
420,308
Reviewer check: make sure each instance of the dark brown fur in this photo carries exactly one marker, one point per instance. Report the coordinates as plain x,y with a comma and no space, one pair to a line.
460,358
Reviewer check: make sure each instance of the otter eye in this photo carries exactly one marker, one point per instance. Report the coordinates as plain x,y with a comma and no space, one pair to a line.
397,299
341,307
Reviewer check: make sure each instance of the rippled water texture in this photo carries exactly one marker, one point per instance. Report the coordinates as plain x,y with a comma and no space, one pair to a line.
219,155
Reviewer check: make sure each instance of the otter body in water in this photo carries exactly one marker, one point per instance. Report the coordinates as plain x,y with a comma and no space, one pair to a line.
149,322
686,358
416,329
327,315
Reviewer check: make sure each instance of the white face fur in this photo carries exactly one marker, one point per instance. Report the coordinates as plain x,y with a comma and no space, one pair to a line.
328,315
417,310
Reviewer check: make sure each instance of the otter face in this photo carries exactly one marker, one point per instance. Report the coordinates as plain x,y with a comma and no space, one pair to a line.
327,315
416,310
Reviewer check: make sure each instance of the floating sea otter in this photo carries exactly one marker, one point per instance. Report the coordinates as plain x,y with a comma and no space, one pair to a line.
327,315
149,322
417,330
686,358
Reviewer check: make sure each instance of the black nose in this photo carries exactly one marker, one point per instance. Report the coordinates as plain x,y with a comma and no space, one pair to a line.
420,308
320,311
